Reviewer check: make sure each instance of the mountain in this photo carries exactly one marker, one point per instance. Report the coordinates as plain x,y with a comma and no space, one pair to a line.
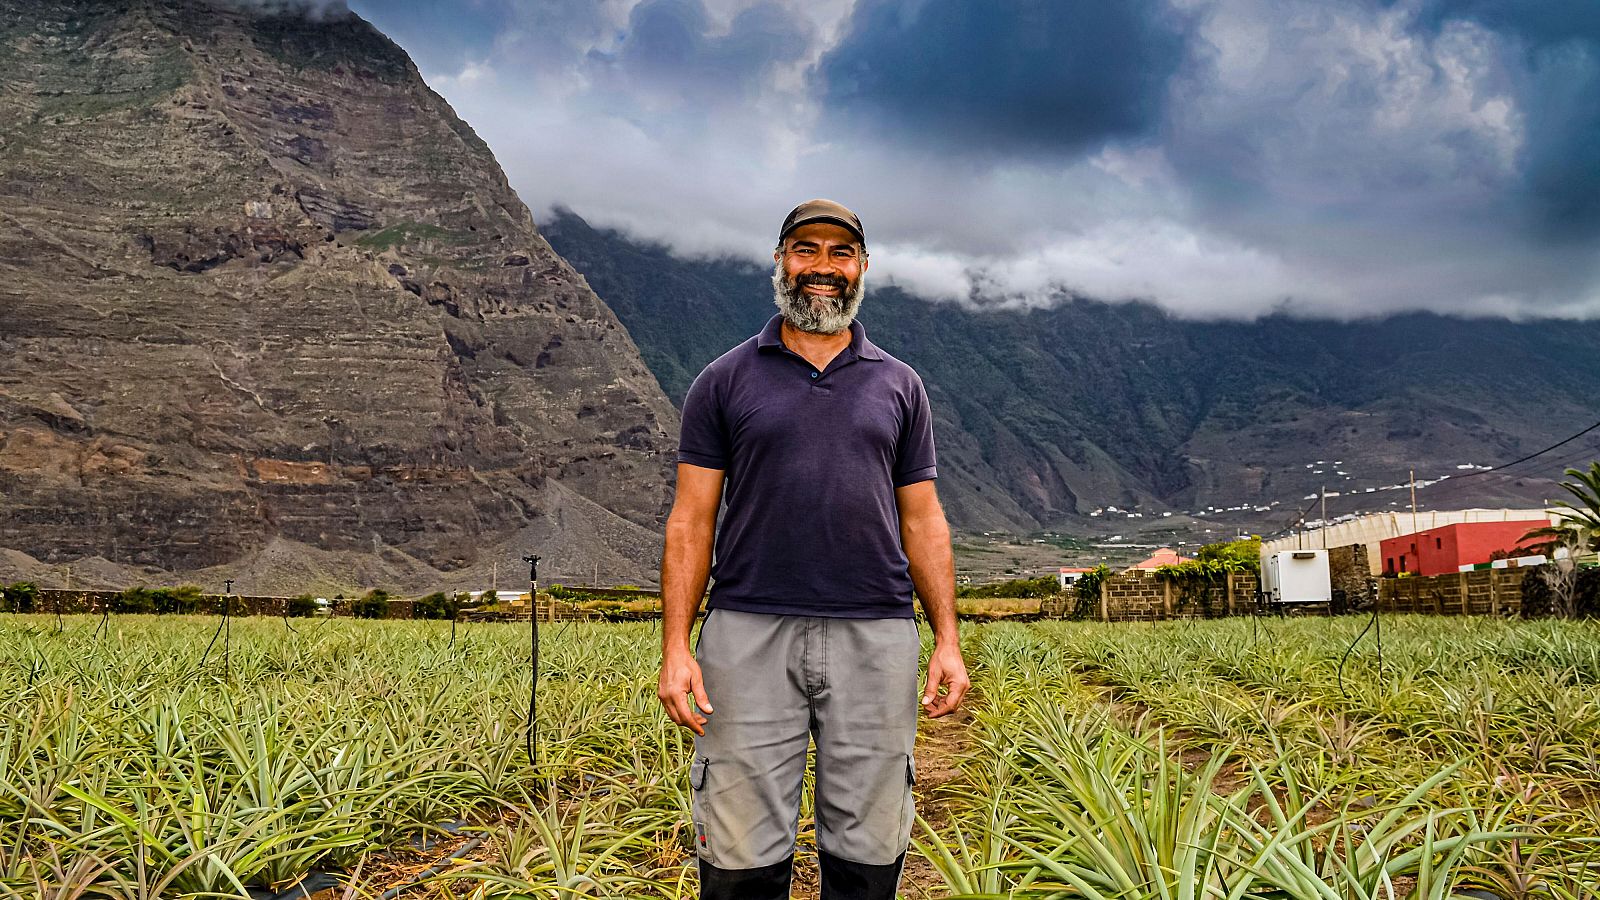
270,311
1045,415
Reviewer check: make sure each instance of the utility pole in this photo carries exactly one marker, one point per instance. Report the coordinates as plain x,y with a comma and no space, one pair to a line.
1324,517
1413,501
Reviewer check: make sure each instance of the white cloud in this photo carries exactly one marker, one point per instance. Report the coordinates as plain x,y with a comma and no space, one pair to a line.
1328,159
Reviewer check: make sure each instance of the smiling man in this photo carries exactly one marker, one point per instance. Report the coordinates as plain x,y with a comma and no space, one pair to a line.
822,446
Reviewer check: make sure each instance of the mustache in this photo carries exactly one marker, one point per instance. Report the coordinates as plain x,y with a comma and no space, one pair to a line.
833,281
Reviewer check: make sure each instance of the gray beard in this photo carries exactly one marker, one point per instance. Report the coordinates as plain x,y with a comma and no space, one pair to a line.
816,315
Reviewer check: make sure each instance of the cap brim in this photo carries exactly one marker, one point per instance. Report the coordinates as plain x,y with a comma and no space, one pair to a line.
826,220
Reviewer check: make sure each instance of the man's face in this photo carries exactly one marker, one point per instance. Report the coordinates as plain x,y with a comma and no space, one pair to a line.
817,284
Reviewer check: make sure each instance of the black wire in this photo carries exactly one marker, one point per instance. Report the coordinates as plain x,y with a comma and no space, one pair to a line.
214,635
1529,456
1371,623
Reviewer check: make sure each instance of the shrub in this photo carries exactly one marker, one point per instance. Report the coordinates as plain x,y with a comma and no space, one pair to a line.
21,597
301,607
437,605
185,599
375,605
1043,586
134,600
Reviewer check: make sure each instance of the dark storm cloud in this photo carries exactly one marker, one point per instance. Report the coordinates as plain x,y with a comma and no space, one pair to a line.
670,46
1038,77
1219,157
1554,47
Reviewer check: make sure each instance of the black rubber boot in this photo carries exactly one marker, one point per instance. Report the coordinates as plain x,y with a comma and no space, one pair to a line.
766,883
846,880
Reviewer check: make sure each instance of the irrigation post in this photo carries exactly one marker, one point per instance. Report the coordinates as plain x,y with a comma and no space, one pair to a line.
533,685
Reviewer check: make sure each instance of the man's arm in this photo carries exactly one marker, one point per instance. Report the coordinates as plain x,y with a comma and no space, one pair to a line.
685,568
926,537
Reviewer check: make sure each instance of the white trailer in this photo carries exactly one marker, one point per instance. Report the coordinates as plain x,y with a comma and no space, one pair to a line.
1296,577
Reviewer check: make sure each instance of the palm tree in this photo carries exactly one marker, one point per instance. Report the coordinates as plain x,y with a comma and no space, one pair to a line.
1581,520
1577,533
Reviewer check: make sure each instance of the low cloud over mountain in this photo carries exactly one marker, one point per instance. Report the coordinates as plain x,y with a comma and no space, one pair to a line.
1222,158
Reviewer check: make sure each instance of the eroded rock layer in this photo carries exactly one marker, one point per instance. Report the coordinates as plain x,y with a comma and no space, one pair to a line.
258,283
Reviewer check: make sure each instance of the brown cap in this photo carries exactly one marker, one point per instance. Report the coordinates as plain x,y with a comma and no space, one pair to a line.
827,211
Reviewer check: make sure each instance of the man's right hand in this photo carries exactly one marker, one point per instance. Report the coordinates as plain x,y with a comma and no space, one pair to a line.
680,677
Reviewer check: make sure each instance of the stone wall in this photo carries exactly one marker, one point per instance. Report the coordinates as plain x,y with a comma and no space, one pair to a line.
1485,592
1139,595
1351,577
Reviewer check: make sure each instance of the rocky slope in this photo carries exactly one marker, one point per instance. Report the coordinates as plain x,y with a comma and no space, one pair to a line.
1044,416
263,294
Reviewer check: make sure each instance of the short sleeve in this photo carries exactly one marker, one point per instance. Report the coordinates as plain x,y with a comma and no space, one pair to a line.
703,441
914,456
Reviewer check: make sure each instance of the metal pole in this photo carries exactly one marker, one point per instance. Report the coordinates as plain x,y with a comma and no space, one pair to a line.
1413,501
533,689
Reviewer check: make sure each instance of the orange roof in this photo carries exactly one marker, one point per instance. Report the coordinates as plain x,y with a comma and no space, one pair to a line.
1166,556
1068,570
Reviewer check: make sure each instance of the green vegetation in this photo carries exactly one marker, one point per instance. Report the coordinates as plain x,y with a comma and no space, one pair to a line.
22,597
113,83
1099,761
1562,588
1043,586
301,607
183,599
437,605
409,233
1201,579
375,605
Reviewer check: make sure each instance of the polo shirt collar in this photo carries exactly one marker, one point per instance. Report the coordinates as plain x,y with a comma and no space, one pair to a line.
771,336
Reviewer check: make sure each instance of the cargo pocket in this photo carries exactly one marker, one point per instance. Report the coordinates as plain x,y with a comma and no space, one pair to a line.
909,809
697,784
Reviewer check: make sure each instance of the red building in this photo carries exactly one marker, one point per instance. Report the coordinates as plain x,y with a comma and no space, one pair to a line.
1444,550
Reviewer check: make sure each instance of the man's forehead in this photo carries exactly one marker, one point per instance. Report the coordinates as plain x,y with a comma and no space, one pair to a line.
824,233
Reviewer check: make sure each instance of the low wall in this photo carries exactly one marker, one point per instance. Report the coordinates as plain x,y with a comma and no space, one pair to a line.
1140,595
1485,592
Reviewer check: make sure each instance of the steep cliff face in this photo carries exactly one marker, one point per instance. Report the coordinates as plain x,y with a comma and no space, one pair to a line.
259,284
1044,415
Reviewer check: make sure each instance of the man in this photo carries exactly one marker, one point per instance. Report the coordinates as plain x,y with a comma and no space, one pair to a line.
825,445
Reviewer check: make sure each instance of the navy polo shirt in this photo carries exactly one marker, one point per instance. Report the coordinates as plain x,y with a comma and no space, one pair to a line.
812,459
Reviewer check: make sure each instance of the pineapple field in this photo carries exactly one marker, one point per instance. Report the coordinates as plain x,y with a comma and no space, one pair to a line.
1241,759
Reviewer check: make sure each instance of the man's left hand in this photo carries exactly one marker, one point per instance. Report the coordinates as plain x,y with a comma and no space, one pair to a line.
945,669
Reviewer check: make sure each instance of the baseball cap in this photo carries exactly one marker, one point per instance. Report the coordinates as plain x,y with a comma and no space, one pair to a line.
827,211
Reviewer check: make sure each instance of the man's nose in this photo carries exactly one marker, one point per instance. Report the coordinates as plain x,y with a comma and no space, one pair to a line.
825,264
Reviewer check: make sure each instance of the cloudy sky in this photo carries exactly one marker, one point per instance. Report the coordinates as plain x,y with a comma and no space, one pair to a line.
1219,157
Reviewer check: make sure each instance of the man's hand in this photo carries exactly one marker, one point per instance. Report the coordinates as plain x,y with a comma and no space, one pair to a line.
680,677
945,669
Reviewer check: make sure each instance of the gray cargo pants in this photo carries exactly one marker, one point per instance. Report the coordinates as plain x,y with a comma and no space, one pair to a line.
775,683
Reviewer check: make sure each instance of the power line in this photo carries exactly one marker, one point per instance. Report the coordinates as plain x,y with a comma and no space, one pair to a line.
1529,456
